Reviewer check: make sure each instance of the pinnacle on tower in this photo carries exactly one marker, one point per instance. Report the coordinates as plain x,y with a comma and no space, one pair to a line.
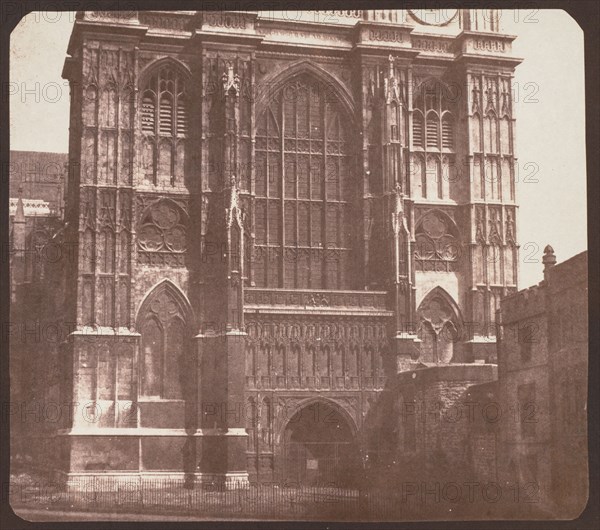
549,260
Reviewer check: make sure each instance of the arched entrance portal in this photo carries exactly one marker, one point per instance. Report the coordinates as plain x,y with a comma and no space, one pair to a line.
319,447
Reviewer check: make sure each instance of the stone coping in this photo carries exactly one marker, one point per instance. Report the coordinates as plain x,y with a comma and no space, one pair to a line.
475,373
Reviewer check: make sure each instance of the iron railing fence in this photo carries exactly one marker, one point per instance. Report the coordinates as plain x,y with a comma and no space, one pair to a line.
255,501
161,496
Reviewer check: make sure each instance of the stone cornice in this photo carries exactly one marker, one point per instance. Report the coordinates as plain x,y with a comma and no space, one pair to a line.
269,34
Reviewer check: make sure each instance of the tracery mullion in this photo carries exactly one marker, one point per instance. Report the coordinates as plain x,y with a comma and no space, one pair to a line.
323,249
175,128
265,212
282,196
294,157
438,169
156,138
340,205
174,103
296,201
309,196
161,94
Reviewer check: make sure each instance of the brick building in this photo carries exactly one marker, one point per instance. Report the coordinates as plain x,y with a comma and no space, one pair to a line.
542,386
272,218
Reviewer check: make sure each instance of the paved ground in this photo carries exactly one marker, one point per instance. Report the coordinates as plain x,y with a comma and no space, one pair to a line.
47,515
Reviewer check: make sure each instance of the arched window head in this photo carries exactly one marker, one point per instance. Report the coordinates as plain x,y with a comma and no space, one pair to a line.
163,322
433,135
164,124
434,104
439,327
163,103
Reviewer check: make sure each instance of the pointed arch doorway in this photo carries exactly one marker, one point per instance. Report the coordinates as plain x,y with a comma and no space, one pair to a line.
319,447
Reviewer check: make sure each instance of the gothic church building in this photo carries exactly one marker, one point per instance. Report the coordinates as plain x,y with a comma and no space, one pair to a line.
275,216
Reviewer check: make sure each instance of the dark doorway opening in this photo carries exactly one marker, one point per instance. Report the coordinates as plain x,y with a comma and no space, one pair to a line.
319,448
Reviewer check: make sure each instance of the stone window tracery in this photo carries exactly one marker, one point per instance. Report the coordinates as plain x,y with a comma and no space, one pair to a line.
438,328
437,247
164,358
304,182
433,138
163,232
164,126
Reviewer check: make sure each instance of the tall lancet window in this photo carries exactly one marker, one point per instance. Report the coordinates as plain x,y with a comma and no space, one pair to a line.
304,186
164,126
433,139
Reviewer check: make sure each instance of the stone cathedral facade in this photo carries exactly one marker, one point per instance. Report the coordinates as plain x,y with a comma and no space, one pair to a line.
275,216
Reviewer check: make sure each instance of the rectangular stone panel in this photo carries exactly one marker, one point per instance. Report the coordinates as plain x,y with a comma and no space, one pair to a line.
162,414
104,453
163,453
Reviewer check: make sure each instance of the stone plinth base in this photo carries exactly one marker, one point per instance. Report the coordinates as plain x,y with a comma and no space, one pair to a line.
107,458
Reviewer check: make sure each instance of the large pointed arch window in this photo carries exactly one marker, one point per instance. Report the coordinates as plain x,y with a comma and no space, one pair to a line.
433,138
304,183
164,126
164,356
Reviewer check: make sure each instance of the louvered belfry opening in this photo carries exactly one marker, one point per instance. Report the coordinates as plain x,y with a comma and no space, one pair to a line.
433,139
164,125
304,186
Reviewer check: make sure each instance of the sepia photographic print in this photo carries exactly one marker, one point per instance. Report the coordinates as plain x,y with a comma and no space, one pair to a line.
318,265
